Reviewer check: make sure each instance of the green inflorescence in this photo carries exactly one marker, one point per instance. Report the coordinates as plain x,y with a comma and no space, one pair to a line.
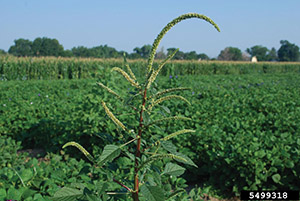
169,26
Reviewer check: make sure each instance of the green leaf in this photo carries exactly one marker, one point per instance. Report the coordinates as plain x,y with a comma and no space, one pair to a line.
26,175
152,193
228,160
188,160
173,169
130,155
165,98
91,197
68,194
166,109
168,91
260,153
159,157
157,178
169,146
124,162
176,193
14,194
146,118
289,164
80,186
109,153
2,194
276,178
38,197
173,118
37,182
101,187
28,193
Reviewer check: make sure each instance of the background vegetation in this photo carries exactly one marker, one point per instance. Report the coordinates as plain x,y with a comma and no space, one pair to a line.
51,47
246,118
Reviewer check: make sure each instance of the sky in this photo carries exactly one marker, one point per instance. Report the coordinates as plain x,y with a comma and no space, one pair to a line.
126,24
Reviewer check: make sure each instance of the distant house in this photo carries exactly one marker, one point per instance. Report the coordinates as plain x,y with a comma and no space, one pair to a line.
254,59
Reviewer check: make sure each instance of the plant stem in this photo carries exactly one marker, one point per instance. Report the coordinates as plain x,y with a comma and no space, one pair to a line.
135,194
129,142
129,189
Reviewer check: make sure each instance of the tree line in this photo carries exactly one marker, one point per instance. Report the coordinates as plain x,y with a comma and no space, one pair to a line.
51,47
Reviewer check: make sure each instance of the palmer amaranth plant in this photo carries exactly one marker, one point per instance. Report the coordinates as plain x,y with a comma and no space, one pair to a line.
145,180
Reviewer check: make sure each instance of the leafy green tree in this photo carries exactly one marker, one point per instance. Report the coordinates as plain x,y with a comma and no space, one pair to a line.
80,51
191,55
288,51
134,55
2,52
203,56
179,54
97,52
22,47
259,51
231,54
68,53
272,55
47,47
143,51
103,52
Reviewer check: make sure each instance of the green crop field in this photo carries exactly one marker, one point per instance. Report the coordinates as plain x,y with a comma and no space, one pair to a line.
51,68
246,117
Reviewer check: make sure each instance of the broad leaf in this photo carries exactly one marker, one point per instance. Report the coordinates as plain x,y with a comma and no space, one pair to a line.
68,194
109,153
26,174
289,164
39,197
187,161
91,197
160,157
28,193
276,178
173,169
14,194
176,193
157,178
152,193
130,155
101,187
169,146
166,109
2,194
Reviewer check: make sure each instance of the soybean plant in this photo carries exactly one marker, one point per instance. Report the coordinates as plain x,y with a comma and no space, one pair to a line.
141,149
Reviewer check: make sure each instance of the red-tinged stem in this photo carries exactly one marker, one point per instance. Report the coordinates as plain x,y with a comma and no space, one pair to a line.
129,189
135,194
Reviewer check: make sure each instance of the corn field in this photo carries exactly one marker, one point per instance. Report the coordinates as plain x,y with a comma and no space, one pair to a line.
52,68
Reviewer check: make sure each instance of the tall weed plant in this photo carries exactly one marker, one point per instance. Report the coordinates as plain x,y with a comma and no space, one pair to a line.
143,157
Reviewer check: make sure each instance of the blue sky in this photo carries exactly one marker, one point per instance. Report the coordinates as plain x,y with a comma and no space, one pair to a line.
125,25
